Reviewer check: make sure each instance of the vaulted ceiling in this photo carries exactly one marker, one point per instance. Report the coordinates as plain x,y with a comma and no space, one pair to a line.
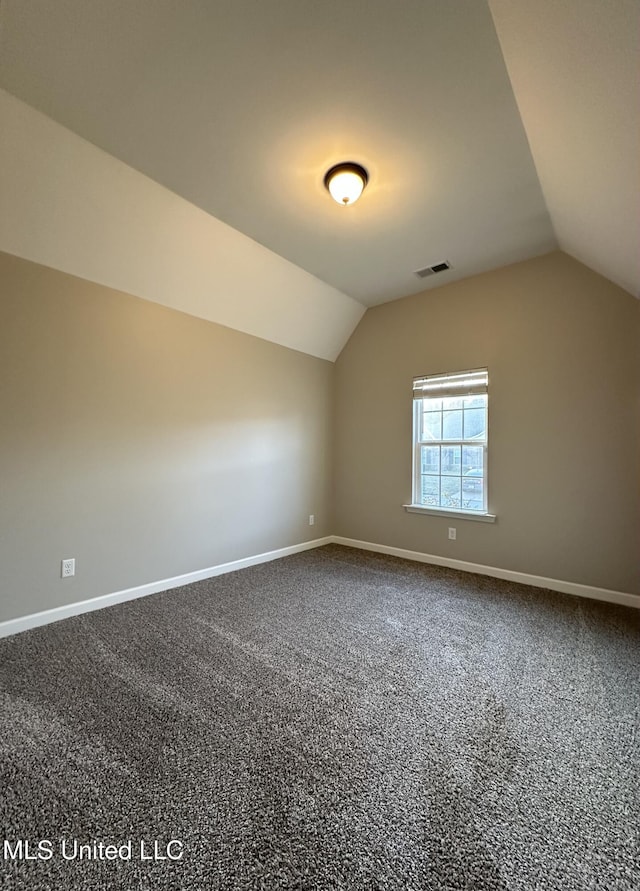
575,70
492,132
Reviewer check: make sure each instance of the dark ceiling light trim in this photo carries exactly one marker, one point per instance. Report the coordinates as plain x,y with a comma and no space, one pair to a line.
345,182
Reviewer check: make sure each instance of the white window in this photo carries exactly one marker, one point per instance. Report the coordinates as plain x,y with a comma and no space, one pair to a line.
450,441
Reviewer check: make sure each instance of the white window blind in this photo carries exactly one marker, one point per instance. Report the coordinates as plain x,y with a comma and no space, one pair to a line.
465,383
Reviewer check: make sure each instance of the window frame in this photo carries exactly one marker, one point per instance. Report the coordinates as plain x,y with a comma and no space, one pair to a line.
416,505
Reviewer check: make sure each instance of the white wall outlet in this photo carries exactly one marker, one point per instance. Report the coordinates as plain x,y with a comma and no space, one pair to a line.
68,568
452,533
312,519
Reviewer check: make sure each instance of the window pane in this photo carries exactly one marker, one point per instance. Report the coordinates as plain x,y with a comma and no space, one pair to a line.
451,495
451,460
475,401
452,425
431,404
430,490
472,459
472,494
432,425
430,459
452,402
475,425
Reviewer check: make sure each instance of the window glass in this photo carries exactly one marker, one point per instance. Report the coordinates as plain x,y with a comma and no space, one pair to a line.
431,459
475,423
451,492
432,424
452,424
450,447
450,460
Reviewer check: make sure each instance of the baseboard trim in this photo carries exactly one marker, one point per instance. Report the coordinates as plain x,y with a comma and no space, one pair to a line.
24,623
510,575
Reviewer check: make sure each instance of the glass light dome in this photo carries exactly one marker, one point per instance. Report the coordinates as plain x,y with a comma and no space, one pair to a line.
345,182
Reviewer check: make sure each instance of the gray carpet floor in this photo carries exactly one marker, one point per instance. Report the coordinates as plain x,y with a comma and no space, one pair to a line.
331,720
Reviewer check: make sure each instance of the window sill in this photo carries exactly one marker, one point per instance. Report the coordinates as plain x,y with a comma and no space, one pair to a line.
443,512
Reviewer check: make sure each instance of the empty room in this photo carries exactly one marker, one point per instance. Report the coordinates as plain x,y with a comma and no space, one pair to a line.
319,445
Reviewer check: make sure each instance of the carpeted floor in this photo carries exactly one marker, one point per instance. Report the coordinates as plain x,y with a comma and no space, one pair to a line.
332,720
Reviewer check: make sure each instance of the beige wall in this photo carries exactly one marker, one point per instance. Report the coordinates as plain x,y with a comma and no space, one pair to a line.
147,443
144,442
561,344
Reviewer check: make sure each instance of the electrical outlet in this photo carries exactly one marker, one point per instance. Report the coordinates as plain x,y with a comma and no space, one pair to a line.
312,519
452,533
68,568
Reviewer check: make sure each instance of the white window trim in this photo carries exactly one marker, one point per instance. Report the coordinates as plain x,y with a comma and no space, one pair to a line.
482,516
443,512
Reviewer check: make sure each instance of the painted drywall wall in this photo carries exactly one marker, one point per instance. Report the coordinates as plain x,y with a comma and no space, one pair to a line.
561,345
73,207
144,442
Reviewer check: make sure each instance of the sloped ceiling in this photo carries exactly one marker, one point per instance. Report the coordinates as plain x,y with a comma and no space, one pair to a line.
575,70
69,205
240,106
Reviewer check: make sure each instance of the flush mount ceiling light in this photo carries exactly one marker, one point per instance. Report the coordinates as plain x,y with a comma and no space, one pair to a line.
346,181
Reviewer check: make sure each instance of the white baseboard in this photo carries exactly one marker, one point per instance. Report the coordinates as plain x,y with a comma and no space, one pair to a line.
511,575
24,623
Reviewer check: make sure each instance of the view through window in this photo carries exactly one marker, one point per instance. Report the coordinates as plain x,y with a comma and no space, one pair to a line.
450,441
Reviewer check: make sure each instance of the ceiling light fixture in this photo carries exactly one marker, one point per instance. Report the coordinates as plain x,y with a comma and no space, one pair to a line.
346,181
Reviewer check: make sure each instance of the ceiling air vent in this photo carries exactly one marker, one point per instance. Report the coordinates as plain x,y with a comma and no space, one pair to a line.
431,270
